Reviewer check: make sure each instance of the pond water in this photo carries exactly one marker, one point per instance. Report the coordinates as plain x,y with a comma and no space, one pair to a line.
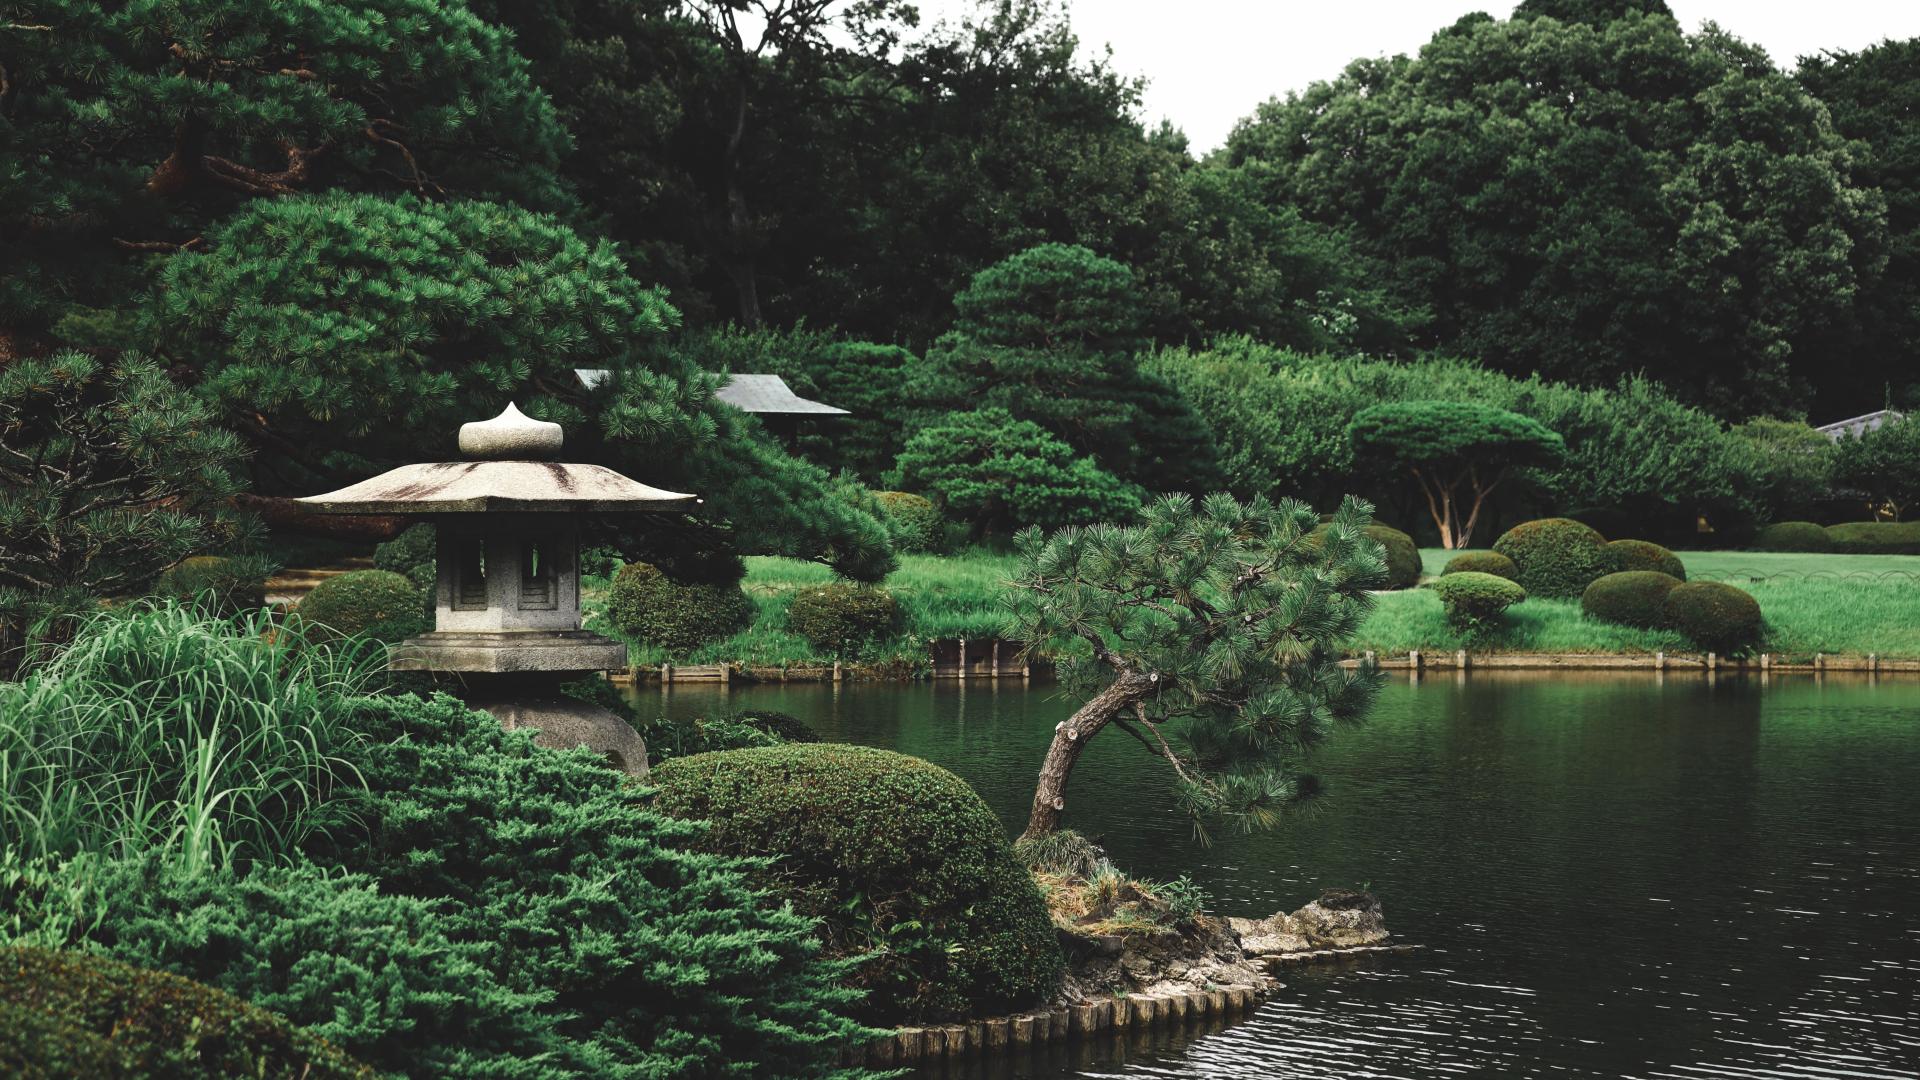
1611,876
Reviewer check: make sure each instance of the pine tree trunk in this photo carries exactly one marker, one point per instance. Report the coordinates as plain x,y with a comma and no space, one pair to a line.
1069,740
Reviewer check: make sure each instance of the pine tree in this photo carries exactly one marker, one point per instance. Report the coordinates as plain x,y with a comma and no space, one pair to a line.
1209,634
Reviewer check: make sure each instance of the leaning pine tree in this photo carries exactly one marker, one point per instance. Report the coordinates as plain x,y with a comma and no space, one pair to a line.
1211,636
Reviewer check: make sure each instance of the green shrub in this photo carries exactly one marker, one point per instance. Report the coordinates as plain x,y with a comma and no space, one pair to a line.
109,1019
1630,598
1401,554
1482,562
379,605
1063,852
1475,601
229,584
843,618
1555,557
1646,555
896,855
783,726
913,521
1875,537
649,606
1718,617
406,551
1792,536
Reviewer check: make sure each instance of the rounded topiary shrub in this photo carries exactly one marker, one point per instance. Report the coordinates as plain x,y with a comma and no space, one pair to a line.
843,618
1476,601
231,585
1482,562
649,606
1718,617
1792,536
84,1015
411,548
912,520
1555,557
1875,538
1402,555
888,850
1630,598
376,604
1647,555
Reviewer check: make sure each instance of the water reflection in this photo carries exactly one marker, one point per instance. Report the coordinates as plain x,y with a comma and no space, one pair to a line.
1615,875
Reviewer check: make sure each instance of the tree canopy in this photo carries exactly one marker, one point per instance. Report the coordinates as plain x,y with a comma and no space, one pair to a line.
1447,444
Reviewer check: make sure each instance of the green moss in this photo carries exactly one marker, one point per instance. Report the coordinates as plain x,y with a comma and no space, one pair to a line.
376,604
649,606
1793,536
1556,557
1482,562
1629,598
1717,617
1646,555
894,854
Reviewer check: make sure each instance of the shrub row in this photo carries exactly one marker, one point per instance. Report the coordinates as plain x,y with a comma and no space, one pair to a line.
1715,616
1850,538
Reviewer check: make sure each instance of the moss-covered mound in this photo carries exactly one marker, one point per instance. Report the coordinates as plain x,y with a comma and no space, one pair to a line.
1792,536
65,1014
1556,556
376,604
897,856
649,606
1630,598
1482,562
1647,555
1718,617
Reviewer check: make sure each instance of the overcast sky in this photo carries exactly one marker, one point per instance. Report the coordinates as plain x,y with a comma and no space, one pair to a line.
1209,62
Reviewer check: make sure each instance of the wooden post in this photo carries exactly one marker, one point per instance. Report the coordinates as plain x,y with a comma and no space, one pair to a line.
1413,659
996,658
666,673
963,658
836,671
1367,657
1460,659
1713,662
1660,661
726,674
1766,661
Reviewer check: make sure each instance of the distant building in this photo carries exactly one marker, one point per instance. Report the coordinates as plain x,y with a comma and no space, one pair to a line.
1859,425
769,397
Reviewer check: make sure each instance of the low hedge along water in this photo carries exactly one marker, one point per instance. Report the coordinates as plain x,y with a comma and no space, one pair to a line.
1482,562
890,851
1630,598
649,606
1646,555
1556,557
68,1014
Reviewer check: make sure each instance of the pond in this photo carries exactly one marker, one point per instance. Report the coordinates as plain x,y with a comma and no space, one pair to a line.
1611,875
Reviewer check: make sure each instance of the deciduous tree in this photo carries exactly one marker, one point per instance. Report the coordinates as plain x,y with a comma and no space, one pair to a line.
1446,445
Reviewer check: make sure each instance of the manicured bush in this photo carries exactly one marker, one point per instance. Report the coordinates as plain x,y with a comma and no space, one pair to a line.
895,854
376,604
1875,537
1475,601
784,726
1556,557
229,584
90,1016
649,606
1482,562
843,618
1718,617
1646,555
1630,598
913,520
1402,555
406,551
1792,536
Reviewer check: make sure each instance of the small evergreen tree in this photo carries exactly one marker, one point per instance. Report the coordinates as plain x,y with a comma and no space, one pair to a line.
1003,474
1447,444
1211,635
1884,465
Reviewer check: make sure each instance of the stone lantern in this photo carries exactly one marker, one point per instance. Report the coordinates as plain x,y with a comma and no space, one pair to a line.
507,592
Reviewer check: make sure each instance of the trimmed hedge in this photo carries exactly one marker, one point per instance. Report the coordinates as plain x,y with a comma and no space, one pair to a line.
649,606
1476,601
1630,598
1482,562
898,856
843,618
1792,536
1647,555
376,604
411,548
68,1014
232,584
912,520
1718,617
1875,538
1556,557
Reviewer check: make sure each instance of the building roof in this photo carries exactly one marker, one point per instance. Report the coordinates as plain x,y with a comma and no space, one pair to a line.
1857,426
748,393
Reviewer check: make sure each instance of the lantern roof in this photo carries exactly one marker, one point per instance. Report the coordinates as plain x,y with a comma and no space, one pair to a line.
508,472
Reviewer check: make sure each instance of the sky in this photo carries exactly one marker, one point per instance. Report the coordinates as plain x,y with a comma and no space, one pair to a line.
1209,62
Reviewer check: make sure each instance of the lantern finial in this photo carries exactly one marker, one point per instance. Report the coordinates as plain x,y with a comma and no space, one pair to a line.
513,435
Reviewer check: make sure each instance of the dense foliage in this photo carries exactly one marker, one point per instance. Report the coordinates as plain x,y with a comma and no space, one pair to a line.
1447,444
1875,538
1718,617
843,619
1646,555
104,1018
1883,465
1555,556
378,605
1475,602
1001,474
226,584
645,604
913,520
899,857
1636,597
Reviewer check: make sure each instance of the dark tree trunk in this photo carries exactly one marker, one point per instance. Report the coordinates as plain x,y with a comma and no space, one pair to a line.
740,242
1069,739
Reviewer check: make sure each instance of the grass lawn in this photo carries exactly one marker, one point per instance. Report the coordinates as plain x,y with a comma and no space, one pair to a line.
1848,604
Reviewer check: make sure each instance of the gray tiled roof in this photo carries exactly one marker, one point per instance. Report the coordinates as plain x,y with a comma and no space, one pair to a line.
748,393
1859,425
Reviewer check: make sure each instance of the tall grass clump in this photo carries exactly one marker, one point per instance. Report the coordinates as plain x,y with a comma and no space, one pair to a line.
164,732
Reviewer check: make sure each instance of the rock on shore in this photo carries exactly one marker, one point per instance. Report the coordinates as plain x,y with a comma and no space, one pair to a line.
1339,919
